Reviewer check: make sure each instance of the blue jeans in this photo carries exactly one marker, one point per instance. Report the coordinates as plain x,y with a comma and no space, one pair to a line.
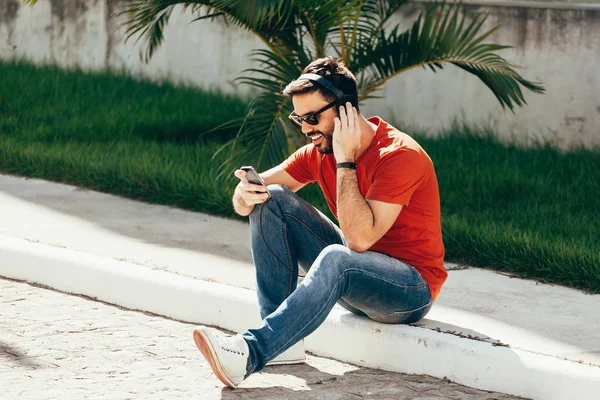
287,232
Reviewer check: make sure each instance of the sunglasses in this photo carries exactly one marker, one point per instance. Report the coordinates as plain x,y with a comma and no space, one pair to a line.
310,118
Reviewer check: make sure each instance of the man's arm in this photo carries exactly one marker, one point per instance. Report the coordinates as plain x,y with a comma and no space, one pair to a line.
277,175
363,222
244,196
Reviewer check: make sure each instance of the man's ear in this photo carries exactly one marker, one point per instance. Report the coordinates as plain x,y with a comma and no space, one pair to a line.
337,108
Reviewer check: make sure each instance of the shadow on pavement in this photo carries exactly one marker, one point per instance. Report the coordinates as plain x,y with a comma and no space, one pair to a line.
11,353
291,382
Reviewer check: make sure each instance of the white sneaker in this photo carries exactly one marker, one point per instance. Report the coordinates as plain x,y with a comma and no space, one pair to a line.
293,355
227,355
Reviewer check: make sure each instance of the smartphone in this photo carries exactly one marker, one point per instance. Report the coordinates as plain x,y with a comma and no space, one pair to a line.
253,177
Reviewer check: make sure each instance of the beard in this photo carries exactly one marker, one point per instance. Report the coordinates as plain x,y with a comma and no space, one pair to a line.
326,145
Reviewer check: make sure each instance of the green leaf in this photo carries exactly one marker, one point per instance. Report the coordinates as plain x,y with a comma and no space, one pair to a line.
266,18
266,131
440,36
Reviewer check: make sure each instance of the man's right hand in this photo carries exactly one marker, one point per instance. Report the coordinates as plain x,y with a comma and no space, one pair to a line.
247,195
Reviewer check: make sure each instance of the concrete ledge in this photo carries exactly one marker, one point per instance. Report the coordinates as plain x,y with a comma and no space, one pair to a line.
343,336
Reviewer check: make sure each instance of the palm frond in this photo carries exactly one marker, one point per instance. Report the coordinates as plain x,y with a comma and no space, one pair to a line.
264,135
148,18
366,20
266,18
262,140
258,12
440,36
319,18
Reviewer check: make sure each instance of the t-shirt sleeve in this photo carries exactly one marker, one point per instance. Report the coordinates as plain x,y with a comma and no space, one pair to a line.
300,165
398,175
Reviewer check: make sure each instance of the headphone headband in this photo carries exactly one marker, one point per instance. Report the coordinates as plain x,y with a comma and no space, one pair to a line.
325,83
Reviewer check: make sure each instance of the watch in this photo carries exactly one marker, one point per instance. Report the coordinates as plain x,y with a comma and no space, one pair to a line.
350,165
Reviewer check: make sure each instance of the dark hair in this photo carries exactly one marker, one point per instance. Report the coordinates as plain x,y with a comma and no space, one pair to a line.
332,69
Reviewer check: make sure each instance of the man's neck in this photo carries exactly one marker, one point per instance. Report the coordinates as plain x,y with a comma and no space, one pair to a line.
367,133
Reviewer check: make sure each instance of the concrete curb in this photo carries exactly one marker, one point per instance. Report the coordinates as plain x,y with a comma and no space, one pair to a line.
407,349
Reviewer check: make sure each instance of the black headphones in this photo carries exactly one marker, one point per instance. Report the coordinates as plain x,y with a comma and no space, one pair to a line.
325,83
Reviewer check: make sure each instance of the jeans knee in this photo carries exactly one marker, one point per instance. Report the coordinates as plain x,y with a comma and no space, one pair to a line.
283,201
277,193
335,252
334,259
336,255
280,194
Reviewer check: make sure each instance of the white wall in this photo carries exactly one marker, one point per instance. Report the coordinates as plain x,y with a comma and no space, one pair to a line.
90,34
558,44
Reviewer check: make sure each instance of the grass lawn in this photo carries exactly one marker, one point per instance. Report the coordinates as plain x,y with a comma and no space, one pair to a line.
532,211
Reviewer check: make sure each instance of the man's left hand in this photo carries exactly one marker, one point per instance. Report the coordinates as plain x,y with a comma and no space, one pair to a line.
346,134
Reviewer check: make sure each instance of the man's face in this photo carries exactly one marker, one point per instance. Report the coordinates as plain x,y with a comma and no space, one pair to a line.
321,134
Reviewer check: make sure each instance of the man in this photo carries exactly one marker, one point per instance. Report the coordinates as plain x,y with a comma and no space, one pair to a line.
385,261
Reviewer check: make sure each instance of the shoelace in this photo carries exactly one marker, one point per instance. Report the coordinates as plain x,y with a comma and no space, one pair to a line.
239,348
232,351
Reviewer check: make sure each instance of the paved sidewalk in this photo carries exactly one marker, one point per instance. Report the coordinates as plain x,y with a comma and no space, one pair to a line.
487,330
59,346
473,302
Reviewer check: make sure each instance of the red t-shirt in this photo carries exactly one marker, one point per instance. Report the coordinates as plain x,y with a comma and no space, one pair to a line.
393,169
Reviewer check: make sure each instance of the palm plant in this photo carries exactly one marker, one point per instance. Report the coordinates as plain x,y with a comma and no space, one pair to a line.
296,32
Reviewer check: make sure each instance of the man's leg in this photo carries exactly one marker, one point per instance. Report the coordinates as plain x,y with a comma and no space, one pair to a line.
286,231
377,285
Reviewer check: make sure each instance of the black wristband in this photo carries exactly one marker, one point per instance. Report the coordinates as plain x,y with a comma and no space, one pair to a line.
350,165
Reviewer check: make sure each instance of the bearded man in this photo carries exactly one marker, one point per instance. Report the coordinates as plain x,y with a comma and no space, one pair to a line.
385,261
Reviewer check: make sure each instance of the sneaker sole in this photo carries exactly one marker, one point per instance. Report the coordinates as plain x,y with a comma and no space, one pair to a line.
286,362
210,354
